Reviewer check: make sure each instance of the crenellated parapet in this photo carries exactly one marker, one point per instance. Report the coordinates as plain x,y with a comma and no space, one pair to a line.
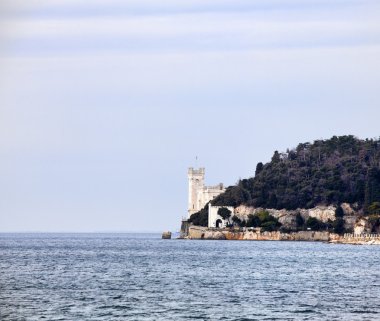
218,187
192,171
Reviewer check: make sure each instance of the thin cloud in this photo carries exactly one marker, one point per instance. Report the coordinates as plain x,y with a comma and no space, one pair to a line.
192,32
81,8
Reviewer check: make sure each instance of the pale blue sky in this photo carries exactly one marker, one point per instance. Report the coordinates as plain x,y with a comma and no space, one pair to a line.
104,104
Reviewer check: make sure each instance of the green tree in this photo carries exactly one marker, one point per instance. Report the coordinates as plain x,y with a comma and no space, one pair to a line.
224,213
315,224
264,220
200,218
253,221
269,226
374,220
372,188
339,212
300,222
259,168
338,225
276,157
236,220
374,208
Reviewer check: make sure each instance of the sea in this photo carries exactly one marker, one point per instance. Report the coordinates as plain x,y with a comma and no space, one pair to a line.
142,277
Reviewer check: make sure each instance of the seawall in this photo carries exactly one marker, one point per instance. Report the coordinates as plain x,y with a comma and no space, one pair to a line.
199,232
364,238
204,233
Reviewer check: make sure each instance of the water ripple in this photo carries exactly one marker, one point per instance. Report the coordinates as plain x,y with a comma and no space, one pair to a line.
141,277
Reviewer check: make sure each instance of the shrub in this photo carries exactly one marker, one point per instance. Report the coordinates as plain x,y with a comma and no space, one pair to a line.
253,221
338,226
374,208
374,220
200,218
300,222
236,220
284,229
224,213
270,226
315,224
264,220
339,212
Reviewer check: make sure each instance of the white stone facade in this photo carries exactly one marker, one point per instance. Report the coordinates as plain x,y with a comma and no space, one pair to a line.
214,220
199,194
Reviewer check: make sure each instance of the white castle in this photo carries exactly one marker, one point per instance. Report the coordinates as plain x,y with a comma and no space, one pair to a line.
200,195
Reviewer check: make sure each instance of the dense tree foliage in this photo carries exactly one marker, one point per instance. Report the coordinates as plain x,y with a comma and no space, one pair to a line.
339,212
374,220
374,208
314,224
224,213
340,169
338,225
300,222
264,220
372,188
200,218
238,222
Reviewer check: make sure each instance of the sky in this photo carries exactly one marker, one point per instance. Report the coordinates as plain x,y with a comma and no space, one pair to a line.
105,104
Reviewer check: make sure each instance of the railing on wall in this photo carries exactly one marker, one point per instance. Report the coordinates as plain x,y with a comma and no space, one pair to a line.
361,236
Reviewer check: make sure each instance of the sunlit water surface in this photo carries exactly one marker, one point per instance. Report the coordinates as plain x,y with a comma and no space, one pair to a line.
141,277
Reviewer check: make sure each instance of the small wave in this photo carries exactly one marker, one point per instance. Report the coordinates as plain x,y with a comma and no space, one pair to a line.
305,311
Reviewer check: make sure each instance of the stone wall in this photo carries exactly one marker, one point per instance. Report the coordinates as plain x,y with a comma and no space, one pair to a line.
351,238
184,232
252,234
364,236
199,232
311,236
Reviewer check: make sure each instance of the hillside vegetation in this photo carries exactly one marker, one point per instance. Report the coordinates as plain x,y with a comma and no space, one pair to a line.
325,172
333,171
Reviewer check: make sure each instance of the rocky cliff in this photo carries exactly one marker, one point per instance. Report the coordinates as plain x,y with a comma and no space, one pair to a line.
288,217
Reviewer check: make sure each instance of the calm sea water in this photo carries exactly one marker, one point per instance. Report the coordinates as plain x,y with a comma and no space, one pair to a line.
141,277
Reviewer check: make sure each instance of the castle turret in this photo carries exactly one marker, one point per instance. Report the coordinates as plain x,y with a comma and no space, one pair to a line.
196,184
199,194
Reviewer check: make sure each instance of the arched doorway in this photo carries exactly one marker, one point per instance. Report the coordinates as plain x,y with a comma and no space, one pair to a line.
218,223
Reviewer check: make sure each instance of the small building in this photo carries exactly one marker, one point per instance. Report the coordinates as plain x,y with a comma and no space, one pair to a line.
214,219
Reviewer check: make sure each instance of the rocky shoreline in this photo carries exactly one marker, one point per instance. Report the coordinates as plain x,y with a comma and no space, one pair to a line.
203,233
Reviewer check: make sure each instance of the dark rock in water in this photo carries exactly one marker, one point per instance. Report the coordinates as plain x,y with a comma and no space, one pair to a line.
167,235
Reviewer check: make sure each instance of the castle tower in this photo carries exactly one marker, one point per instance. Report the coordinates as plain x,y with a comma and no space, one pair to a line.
196,184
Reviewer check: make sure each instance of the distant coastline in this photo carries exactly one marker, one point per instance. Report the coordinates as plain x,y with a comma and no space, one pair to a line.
326,190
